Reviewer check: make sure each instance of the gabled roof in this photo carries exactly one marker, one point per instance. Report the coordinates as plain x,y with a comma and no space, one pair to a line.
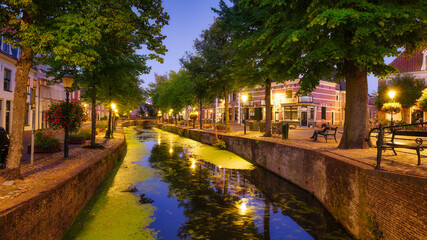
411,63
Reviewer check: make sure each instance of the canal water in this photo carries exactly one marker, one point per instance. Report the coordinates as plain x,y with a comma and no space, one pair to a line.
169,187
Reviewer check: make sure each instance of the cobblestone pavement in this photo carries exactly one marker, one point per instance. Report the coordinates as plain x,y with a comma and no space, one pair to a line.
405,162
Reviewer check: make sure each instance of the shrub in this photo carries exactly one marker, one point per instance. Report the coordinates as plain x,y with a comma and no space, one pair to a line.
220,144
207,125
101,125
45,139
104,118
220,126
84,133
181,122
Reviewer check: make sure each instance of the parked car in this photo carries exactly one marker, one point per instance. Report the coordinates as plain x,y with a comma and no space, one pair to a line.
4,147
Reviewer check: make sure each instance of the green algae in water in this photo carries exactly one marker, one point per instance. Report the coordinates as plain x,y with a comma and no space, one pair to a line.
112,213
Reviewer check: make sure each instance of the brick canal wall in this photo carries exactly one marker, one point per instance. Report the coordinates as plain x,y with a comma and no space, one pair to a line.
368,203
49,214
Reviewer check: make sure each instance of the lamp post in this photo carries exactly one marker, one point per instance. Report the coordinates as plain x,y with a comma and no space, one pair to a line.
67,79
244,99
391,94
113,108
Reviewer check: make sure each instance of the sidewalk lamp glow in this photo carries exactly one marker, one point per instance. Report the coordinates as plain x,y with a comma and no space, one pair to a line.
113,106
392,94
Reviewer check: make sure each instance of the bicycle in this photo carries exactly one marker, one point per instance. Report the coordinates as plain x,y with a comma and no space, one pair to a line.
276,131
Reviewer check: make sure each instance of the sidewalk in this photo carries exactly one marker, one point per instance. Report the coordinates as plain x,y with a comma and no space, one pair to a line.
405,162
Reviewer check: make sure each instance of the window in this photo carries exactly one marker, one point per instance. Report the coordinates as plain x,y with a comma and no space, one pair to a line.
15,52
289,93
7,79
6,47
323,112
311,113
337,97
27,114
28,86
291,113
8,108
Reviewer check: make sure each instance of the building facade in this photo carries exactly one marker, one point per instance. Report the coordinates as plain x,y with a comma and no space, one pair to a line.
326,102
45,93
416,65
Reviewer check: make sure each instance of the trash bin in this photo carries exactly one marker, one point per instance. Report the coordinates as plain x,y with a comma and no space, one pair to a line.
285,131
4,147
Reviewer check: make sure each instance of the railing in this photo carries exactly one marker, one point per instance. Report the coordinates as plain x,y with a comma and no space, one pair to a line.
382,130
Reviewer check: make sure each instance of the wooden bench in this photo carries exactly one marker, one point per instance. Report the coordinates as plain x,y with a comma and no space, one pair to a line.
416,144
330,131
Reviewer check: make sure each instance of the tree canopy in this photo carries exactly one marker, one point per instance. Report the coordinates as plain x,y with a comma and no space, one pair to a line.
69,30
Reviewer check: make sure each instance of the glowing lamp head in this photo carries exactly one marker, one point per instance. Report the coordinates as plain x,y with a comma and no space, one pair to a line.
113,106
67,80
392,94
244,98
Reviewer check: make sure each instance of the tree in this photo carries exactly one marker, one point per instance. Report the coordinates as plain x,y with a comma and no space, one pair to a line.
202,87
345,38
253,63
407,88
216,48
70,29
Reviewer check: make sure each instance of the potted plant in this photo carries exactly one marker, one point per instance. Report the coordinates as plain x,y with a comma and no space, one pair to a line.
207,126
45,142
422,101
193,117
79,137
392,107
220,126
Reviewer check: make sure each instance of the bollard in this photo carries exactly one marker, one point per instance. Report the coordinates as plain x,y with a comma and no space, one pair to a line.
285,131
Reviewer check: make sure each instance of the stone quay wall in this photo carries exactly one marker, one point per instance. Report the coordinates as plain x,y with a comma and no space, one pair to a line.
370,204
49,214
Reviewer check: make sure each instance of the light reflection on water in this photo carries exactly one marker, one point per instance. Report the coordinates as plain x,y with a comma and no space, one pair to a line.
202,192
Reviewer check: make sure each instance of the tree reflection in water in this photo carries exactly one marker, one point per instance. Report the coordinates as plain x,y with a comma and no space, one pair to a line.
215,200
211,213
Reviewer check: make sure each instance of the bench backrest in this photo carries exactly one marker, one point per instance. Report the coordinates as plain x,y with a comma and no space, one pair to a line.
333,130
411,133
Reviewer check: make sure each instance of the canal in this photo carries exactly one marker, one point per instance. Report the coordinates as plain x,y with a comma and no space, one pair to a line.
169,187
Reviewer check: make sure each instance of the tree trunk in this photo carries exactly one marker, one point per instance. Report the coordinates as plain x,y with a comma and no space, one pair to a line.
92,137
267,108
200,113
18,114
406,114
356,109
227,112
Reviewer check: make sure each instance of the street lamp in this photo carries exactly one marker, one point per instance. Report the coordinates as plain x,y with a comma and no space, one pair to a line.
67,80
391,94
244,99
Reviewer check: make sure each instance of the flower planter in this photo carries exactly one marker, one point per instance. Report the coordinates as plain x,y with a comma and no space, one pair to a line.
50,149
76,140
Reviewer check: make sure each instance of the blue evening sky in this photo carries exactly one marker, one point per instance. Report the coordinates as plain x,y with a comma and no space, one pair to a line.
187,20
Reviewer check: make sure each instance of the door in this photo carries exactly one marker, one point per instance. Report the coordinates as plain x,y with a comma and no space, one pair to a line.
303,119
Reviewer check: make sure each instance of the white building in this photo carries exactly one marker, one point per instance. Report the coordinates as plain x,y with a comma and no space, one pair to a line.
45,94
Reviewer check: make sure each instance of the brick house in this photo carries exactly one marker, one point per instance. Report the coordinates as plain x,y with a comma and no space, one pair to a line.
327,102
415,64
